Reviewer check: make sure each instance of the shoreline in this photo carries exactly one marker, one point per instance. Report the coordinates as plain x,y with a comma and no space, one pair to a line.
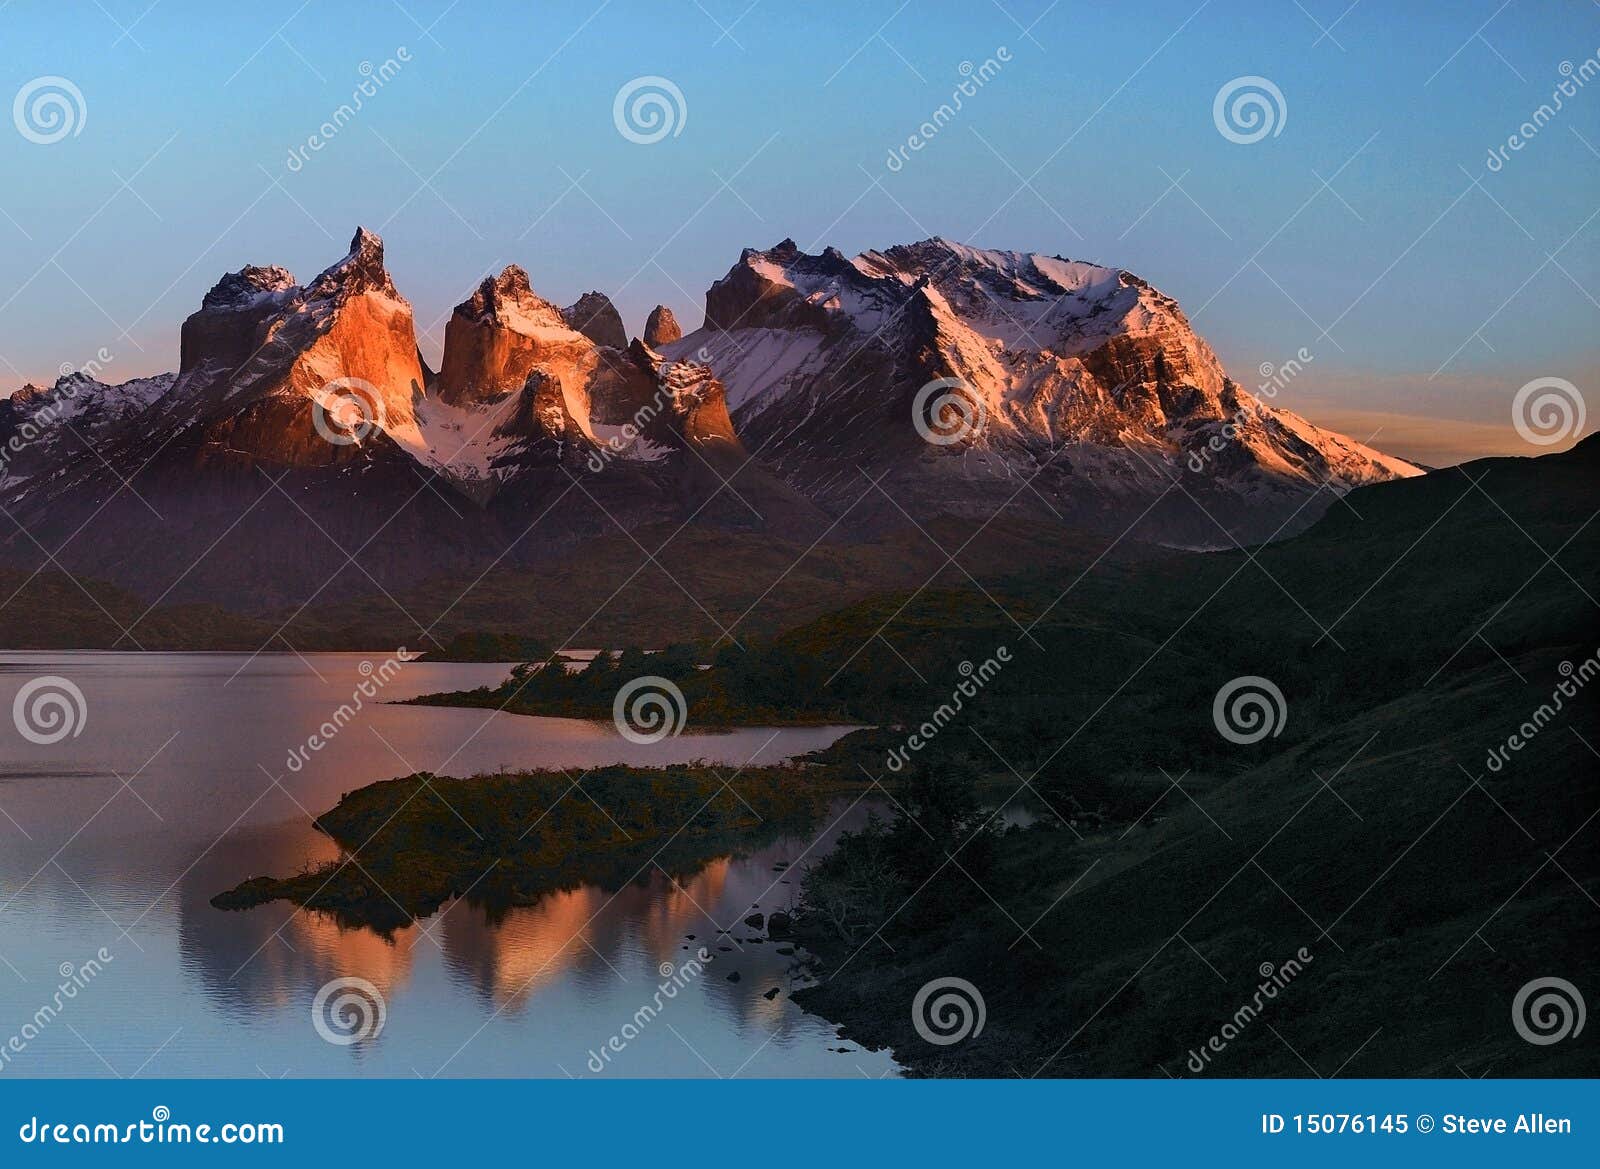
584,712
509,840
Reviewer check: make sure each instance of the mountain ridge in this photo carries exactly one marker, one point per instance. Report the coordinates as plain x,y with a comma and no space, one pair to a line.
1084,382
800,407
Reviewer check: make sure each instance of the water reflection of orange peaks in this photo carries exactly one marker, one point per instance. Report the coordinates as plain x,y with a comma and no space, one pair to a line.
690,905
358,953
525,949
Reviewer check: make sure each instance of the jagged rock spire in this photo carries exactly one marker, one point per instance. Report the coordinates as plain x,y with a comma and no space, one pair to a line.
597,319
661,327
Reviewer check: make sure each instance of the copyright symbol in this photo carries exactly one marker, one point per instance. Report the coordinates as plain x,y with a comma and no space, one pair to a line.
1424,1123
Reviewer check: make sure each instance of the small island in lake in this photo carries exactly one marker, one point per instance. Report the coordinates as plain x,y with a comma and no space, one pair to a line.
409,845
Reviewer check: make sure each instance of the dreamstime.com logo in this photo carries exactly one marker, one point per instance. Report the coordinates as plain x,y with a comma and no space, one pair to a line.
49,709
1548,1010
635,429
373,79
647,109
1548,410
1273,379
649,709
1572,80
346,410
973,78
373,679
160,1129
947,411
1248,709
1273,980
673,980
948,1010
66,391
1249,108
75,977
973,679
48,109
1574,678
348,1011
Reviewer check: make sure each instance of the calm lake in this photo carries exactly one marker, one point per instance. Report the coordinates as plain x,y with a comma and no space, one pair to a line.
178,787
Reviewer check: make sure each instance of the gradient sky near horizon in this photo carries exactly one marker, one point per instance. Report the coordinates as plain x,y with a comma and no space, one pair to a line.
1368,231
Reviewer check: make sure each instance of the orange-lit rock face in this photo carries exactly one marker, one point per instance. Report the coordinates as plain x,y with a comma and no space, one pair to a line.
503,332
661,327
545,424
372,338
686,404
506,339
483,360
261,351
361,327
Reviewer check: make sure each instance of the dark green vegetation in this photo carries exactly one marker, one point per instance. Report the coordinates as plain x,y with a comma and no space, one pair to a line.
749,585
1411,633
746,687
1414,629
411,844
478,646
49,610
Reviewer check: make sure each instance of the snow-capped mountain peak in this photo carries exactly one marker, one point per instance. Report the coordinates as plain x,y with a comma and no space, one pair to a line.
1082,380
966,382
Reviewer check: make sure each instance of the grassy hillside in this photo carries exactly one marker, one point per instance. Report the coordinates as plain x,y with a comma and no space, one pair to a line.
51,610
622,589
1172,868
1424,899
1410,634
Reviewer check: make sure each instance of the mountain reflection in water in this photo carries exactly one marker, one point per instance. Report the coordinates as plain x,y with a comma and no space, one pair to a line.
193,990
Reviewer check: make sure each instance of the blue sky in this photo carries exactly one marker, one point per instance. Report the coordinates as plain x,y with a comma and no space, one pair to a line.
1419,295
